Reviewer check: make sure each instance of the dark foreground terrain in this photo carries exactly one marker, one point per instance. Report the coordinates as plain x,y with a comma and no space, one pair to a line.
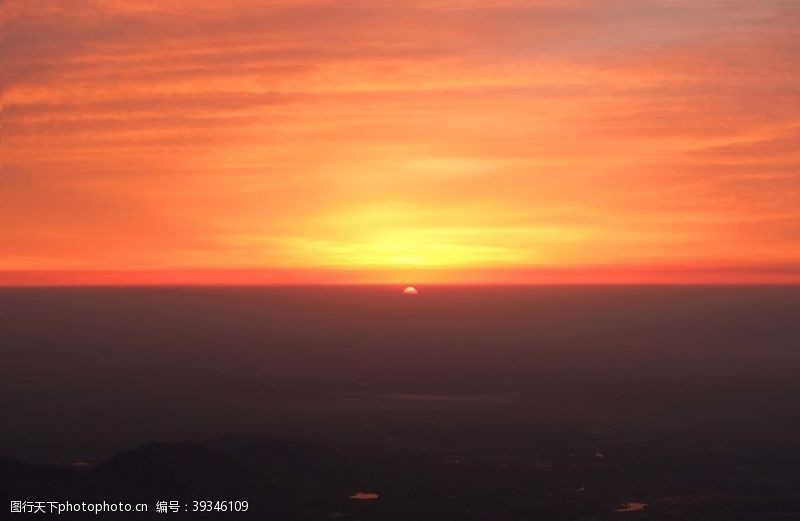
480,403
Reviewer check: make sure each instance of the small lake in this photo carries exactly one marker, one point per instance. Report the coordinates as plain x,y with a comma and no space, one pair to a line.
364,495
632,507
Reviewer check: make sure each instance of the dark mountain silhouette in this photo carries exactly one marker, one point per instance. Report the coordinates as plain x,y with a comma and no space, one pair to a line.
299,480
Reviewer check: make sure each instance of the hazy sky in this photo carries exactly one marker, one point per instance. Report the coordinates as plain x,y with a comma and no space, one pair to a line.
495,140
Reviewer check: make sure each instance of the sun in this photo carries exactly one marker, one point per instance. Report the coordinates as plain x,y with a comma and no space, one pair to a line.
410,291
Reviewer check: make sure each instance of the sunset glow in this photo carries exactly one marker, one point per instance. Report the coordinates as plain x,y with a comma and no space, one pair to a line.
494,141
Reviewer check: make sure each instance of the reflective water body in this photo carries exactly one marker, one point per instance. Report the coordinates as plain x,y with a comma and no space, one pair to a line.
632,507
364,496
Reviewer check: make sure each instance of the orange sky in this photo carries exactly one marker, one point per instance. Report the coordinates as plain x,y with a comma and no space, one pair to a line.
498,141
